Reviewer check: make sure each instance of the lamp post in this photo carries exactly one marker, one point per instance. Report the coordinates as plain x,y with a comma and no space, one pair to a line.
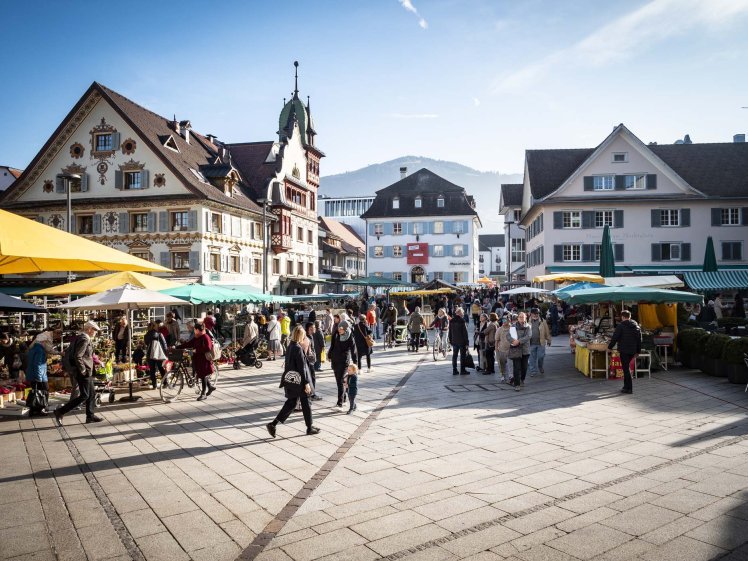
264,203
509,221
68,179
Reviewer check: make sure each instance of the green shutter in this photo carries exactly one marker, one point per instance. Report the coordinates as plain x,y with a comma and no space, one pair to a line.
558,220
617,219
656,218
685,252
685,217
558,253
620,182
656,252
651,181
589,183
716,217
119,181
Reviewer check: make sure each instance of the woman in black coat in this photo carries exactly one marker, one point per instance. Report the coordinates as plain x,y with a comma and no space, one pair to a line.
296,362
342,353
360,331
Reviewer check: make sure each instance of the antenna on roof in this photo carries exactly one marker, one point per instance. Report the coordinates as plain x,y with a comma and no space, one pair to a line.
296,78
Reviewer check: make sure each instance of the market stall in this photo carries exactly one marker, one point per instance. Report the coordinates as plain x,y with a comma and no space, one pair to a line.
657,316
426,310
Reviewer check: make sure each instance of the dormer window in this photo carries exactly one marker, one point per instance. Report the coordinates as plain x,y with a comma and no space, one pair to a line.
104,142
171,144
396,203
440,201
419,202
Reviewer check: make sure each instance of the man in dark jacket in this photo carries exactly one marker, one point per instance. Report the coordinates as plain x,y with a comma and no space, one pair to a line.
458,336
629,339
81,362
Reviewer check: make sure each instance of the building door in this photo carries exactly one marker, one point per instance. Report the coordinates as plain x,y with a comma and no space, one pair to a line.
417,274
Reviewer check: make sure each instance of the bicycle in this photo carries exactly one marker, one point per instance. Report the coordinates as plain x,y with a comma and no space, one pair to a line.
389,337
180,373
439,347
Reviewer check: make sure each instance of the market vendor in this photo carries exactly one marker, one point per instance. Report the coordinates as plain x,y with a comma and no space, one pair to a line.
121,336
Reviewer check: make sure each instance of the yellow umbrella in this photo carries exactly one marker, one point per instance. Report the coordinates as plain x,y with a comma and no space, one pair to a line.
570,277
27,246
485,280
95,285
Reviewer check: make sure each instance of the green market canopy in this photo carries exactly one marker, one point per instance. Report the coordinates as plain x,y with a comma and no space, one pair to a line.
717,280
629,294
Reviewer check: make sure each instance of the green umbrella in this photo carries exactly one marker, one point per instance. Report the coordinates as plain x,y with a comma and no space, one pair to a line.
201,294
629,294
374,282
607,256
710,258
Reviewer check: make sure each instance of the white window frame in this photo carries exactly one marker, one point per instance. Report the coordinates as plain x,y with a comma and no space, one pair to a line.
397,251
418,228
133,221
603,182
603,218
460,276
378,251
458,251
730,216
671,246
572,252
378,229
670,217
440,202
397,228
397,276
571,219
127,180
396,203
79,220
173,220
235,259
418,202
96,142
437,250
623,157
178,263
439,227
739,243
635,181
211,256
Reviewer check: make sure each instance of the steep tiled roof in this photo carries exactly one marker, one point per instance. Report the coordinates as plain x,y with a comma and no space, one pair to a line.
250,159
511,194
717,170
340,230
429,186
15,172
487,241
548,169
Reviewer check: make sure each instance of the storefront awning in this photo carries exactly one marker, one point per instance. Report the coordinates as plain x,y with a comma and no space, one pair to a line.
717,280
646,281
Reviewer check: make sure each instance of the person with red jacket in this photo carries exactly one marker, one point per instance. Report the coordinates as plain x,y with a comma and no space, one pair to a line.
202,361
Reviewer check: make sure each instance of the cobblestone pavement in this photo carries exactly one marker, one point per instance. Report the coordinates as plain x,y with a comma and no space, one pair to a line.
431,467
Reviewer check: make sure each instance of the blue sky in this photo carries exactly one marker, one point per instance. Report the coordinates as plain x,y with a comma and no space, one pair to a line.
472,81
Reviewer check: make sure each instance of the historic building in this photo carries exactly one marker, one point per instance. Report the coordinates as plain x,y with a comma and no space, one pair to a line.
422,228
491,255
660,201
510,208
342,253
283,175
156,188
347,210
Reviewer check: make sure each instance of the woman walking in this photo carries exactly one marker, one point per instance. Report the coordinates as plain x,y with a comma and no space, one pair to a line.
155,345
342,353
519,349
202,361
491,329
274,338
36,373
502,348
296,384
360,334
479,341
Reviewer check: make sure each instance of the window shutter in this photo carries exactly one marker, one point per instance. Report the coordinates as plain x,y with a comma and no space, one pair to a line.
371,251
685,217
208,223
588,252
151,221
620,182
97,224
656,252
225,223
195,260
465,249
447,251
558,253
59,184
163,221
388,228
119,181
655,218
744,216
115,141
685,252
618,252
617,219
651,181
164,259
558,220
192,224
84,182
726,251
448,229
588,219
145,179
589,183
371,229
465,226
431,250
388,251
124,223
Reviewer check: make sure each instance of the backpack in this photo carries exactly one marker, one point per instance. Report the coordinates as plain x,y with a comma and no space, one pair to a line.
216,353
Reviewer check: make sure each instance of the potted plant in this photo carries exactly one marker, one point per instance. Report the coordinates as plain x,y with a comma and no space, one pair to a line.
698,352
713,355
684,342
730,325
734,360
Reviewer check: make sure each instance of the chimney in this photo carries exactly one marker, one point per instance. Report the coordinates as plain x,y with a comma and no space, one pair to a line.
738,138
175,125
403,172
211,138
185,126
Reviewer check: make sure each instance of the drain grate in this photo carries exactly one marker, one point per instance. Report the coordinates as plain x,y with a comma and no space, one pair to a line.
478,387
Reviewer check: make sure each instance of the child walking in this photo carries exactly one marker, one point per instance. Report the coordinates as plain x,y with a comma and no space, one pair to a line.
350,384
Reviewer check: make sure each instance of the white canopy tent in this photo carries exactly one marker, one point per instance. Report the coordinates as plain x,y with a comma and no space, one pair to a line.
524,290
648,281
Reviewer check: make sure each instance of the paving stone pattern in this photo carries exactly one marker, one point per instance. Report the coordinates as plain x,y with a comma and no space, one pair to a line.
431,467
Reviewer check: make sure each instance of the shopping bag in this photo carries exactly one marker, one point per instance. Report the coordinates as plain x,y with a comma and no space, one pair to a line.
323,355
469,362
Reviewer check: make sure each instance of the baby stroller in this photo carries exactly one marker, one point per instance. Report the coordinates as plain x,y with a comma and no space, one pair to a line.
103,382
423,340
247,356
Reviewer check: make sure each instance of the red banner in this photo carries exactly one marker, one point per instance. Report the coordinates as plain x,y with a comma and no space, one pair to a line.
418,253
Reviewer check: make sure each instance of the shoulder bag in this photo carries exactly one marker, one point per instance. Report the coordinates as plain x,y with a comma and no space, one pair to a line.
368,338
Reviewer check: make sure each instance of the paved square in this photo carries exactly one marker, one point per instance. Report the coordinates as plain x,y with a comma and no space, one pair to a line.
431,467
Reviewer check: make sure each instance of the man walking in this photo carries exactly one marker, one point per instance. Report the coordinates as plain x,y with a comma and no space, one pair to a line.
458,336
81,362
628,335
539,338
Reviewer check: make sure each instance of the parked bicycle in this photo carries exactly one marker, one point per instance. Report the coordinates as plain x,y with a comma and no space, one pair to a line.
179,372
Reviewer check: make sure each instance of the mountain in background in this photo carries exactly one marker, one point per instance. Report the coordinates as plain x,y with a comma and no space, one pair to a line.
483,185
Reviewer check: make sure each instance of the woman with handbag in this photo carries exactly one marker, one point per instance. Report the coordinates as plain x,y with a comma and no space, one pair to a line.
296,383
364,342
155,343
519,349
202,359
36,373
342,353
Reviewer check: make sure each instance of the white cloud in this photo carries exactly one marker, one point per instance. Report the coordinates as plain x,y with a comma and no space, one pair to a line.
408,6
476,102
414,115
629,35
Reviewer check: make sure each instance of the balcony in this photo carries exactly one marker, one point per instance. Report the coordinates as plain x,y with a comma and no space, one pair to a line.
280,243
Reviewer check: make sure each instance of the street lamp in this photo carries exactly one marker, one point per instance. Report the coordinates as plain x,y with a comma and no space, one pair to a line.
509,222
264,203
